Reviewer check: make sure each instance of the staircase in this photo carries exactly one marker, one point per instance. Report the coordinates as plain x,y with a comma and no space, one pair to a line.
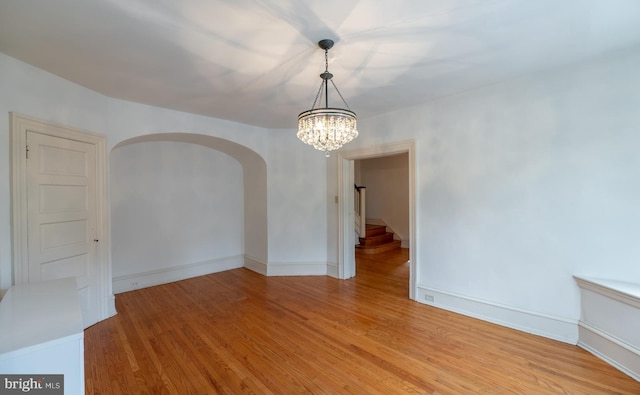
376,240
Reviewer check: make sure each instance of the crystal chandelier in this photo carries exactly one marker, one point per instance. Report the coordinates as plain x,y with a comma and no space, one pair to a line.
327,129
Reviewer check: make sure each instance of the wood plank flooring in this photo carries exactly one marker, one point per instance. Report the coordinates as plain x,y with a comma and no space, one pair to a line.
238,332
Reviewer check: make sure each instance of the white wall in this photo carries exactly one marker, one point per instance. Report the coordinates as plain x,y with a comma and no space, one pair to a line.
522,184
297,206
387,181
293,170
174,204
296,212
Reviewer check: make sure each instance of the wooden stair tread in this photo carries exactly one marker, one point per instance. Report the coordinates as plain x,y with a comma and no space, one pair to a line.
376,240
375,230
387,237
379,248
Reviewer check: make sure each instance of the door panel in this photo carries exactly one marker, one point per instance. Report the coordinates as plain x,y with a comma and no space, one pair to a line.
61,200
73,266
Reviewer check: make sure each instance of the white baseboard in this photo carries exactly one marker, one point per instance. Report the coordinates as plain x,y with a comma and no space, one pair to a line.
616,352
332,270
176,273
287,268
555,328
608,328
255,264
163,276
297,269
111,306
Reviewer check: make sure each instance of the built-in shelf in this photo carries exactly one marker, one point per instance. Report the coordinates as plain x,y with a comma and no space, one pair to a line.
609,324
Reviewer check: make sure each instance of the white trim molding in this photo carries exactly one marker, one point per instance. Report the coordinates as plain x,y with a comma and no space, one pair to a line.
288,268
556,328
609,325
622,291
616,352
175,273
332,269
255,264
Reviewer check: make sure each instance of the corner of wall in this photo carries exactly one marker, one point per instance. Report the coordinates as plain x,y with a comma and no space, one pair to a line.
332,270
255,264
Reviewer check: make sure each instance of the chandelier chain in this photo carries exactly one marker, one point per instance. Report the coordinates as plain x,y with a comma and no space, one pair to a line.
326,60
315,101
340,94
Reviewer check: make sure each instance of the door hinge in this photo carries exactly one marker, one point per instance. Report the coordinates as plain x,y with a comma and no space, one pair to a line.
27,152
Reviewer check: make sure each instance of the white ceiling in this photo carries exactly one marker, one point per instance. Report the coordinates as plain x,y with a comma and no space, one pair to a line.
257,61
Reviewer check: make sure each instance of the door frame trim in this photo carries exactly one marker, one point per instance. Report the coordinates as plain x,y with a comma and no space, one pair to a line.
346,238
20,124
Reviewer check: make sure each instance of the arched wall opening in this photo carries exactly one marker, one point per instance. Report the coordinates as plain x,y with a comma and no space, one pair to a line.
184,205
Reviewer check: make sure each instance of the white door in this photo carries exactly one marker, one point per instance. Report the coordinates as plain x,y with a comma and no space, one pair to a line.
62,215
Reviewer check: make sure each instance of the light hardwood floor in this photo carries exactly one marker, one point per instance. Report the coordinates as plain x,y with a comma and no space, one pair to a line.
239,332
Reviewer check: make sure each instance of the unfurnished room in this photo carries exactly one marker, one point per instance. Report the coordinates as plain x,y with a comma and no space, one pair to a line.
322,197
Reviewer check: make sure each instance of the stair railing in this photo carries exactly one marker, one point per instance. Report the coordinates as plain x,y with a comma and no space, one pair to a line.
359,209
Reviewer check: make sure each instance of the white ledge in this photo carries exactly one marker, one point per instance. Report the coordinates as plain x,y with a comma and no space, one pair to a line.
622,291
36,313
608,328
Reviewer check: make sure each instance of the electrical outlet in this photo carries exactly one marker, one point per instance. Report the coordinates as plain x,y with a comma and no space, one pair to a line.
134,283
429,298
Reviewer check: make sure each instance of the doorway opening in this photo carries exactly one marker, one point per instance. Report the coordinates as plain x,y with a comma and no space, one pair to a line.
346,182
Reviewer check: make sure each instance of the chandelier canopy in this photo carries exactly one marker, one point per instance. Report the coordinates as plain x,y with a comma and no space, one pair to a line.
327,128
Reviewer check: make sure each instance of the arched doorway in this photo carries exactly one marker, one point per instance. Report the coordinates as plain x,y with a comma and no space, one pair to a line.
246,201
